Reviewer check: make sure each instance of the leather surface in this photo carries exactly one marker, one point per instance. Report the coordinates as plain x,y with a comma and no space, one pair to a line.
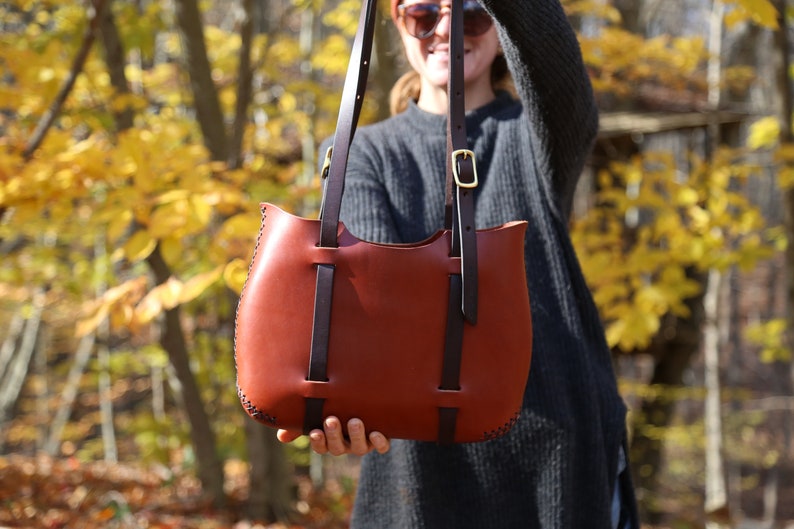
387,332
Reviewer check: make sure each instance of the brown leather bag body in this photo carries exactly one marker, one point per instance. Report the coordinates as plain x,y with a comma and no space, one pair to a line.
428,341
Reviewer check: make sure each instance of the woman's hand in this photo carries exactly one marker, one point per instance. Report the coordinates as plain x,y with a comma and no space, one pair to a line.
331,439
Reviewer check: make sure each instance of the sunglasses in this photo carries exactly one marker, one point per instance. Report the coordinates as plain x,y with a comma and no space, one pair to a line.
421,20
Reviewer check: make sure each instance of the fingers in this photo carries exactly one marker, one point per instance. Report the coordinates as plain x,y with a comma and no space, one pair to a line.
287,436
379,442
358,437
317,441
334,436
331,439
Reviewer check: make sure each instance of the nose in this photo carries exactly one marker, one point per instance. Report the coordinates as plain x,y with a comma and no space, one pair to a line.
442,28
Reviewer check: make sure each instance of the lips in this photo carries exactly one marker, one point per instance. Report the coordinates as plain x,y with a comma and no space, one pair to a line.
443,49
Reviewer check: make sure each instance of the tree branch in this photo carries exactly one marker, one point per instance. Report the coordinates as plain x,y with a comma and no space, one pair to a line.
46,121
244,79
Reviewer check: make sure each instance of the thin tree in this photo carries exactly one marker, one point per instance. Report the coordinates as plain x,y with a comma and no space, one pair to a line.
716,500
172,338
785,109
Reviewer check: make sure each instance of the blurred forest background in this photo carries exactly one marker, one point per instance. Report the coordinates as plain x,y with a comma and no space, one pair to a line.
137,138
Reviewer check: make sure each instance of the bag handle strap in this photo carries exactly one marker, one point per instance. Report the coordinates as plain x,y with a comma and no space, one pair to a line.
461,168
349,110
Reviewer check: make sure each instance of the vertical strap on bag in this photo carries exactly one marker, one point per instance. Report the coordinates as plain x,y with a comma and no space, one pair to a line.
459,209
336,165
318,357
318,360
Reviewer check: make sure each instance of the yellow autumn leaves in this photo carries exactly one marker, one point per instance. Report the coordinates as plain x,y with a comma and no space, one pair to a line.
153,187
653,224
130,306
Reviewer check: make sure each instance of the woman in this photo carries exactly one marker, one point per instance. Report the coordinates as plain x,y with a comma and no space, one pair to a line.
560,466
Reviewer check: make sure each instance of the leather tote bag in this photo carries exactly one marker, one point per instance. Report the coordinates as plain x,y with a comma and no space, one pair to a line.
428,341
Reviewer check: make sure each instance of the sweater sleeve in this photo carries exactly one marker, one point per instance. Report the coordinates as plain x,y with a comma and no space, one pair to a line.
546,63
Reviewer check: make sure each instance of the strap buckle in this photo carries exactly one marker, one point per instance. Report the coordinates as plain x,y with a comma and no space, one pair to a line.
456,171
326,162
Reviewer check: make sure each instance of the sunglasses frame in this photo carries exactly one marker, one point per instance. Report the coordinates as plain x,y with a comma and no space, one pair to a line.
470,7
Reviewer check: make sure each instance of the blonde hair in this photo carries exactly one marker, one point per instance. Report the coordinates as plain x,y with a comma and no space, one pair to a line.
407,87
404,90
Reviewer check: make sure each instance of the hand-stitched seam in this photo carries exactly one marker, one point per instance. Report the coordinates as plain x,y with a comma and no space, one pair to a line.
245,284
499,432
253,411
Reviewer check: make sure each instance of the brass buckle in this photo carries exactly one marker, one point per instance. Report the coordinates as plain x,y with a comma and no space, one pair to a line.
465,153
327,162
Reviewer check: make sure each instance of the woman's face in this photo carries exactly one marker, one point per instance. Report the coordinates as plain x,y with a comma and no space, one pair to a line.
430,58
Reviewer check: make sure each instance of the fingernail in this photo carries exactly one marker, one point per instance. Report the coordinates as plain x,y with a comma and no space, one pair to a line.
315,436
330,425
354,426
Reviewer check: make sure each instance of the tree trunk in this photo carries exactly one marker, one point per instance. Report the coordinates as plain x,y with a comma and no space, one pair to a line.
16,372
114,58
172,339
784,106
69,394
676,344
244,80
716,498
270,496
10,342
205,94
629,14
386,64
104,387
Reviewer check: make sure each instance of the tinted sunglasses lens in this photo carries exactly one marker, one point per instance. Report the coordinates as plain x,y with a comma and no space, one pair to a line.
476,20
421,19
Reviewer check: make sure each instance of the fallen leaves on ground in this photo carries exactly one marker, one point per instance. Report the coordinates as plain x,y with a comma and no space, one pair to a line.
46,493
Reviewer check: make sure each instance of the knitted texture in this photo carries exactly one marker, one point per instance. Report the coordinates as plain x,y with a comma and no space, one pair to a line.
556,468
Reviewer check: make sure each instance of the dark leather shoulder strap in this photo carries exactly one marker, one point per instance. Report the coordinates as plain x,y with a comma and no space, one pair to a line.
349,110
461,169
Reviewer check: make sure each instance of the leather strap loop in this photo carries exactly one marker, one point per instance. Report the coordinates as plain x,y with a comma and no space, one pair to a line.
321,327
313,415
447,423
453,342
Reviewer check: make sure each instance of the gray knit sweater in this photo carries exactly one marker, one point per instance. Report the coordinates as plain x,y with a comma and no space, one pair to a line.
557,467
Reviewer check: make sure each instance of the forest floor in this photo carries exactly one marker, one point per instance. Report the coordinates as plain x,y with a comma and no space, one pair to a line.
45,493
